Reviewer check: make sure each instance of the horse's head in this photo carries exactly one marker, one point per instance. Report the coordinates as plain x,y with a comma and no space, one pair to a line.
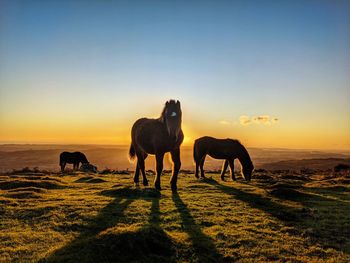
247,172
87,167
172,117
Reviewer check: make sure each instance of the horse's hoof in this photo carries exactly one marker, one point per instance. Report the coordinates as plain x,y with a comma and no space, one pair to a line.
222,178
136,184
197,176
157,187
145,183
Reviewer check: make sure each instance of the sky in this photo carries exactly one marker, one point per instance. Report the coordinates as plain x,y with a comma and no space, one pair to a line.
269,73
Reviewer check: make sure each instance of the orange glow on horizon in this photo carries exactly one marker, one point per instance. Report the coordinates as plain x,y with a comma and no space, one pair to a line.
119,134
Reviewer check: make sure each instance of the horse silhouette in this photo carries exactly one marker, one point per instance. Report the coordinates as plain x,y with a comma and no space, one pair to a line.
157,137
74,158
227,149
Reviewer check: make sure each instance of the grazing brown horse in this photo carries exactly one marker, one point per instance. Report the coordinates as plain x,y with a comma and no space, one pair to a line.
227,149
73,158
158,136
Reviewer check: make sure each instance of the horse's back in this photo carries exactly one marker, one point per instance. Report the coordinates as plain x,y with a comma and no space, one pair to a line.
217,148
207,140
145,129
151,136
71,157
64,155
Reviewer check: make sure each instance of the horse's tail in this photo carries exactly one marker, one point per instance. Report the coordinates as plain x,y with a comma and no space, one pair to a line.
132,152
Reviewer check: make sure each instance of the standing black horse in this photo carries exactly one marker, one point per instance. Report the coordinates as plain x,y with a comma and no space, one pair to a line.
227,149
73,158
158,136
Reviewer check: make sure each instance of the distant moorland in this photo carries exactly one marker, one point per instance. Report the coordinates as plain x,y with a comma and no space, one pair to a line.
17,156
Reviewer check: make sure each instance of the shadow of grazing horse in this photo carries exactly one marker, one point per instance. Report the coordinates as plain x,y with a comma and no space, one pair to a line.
322,230
227,149
74,158
158,136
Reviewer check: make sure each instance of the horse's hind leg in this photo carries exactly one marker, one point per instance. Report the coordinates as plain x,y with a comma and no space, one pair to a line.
63,165
232,169
159,161
141,165
224,168
197,170
197,159
201,166
175,156
137,174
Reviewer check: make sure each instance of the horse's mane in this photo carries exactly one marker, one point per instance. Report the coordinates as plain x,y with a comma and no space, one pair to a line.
245,153
162,116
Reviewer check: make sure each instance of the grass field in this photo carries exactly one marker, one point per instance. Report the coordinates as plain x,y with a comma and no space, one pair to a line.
280,216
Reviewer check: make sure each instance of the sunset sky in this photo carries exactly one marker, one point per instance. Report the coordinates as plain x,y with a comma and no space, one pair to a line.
270,73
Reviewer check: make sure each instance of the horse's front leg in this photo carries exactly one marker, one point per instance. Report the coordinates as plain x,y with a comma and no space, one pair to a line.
159,168
232,169
144,178
224,168
175,156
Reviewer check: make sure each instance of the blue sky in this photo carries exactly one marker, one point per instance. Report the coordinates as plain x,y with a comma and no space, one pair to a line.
73,64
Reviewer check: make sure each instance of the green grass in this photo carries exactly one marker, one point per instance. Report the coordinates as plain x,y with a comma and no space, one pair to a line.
103,218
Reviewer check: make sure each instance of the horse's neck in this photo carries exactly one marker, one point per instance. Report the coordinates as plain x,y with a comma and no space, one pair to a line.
244,157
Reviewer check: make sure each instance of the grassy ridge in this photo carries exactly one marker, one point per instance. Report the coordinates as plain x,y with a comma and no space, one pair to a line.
102,218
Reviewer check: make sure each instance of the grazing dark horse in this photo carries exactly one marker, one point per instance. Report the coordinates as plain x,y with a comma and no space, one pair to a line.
158,136
73,158
227,149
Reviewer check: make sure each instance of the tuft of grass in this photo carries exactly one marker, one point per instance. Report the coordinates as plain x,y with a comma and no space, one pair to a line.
23,194
90,179
46,184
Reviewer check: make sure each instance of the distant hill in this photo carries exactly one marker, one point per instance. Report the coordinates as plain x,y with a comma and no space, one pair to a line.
17,156
317,164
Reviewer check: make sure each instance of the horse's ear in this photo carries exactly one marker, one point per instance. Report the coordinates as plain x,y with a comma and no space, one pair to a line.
178,103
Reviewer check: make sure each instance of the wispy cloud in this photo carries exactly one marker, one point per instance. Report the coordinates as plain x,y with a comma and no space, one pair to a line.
223,122
262,119
274,120
245,120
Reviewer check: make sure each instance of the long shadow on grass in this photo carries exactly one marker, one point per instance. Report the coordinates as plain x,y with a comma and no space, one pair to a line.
324,229
104,241
154,218
79,250
203,245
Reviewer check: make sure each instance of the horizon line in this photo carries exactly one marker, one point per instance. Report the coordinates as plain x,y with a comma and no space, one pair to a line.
123,145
